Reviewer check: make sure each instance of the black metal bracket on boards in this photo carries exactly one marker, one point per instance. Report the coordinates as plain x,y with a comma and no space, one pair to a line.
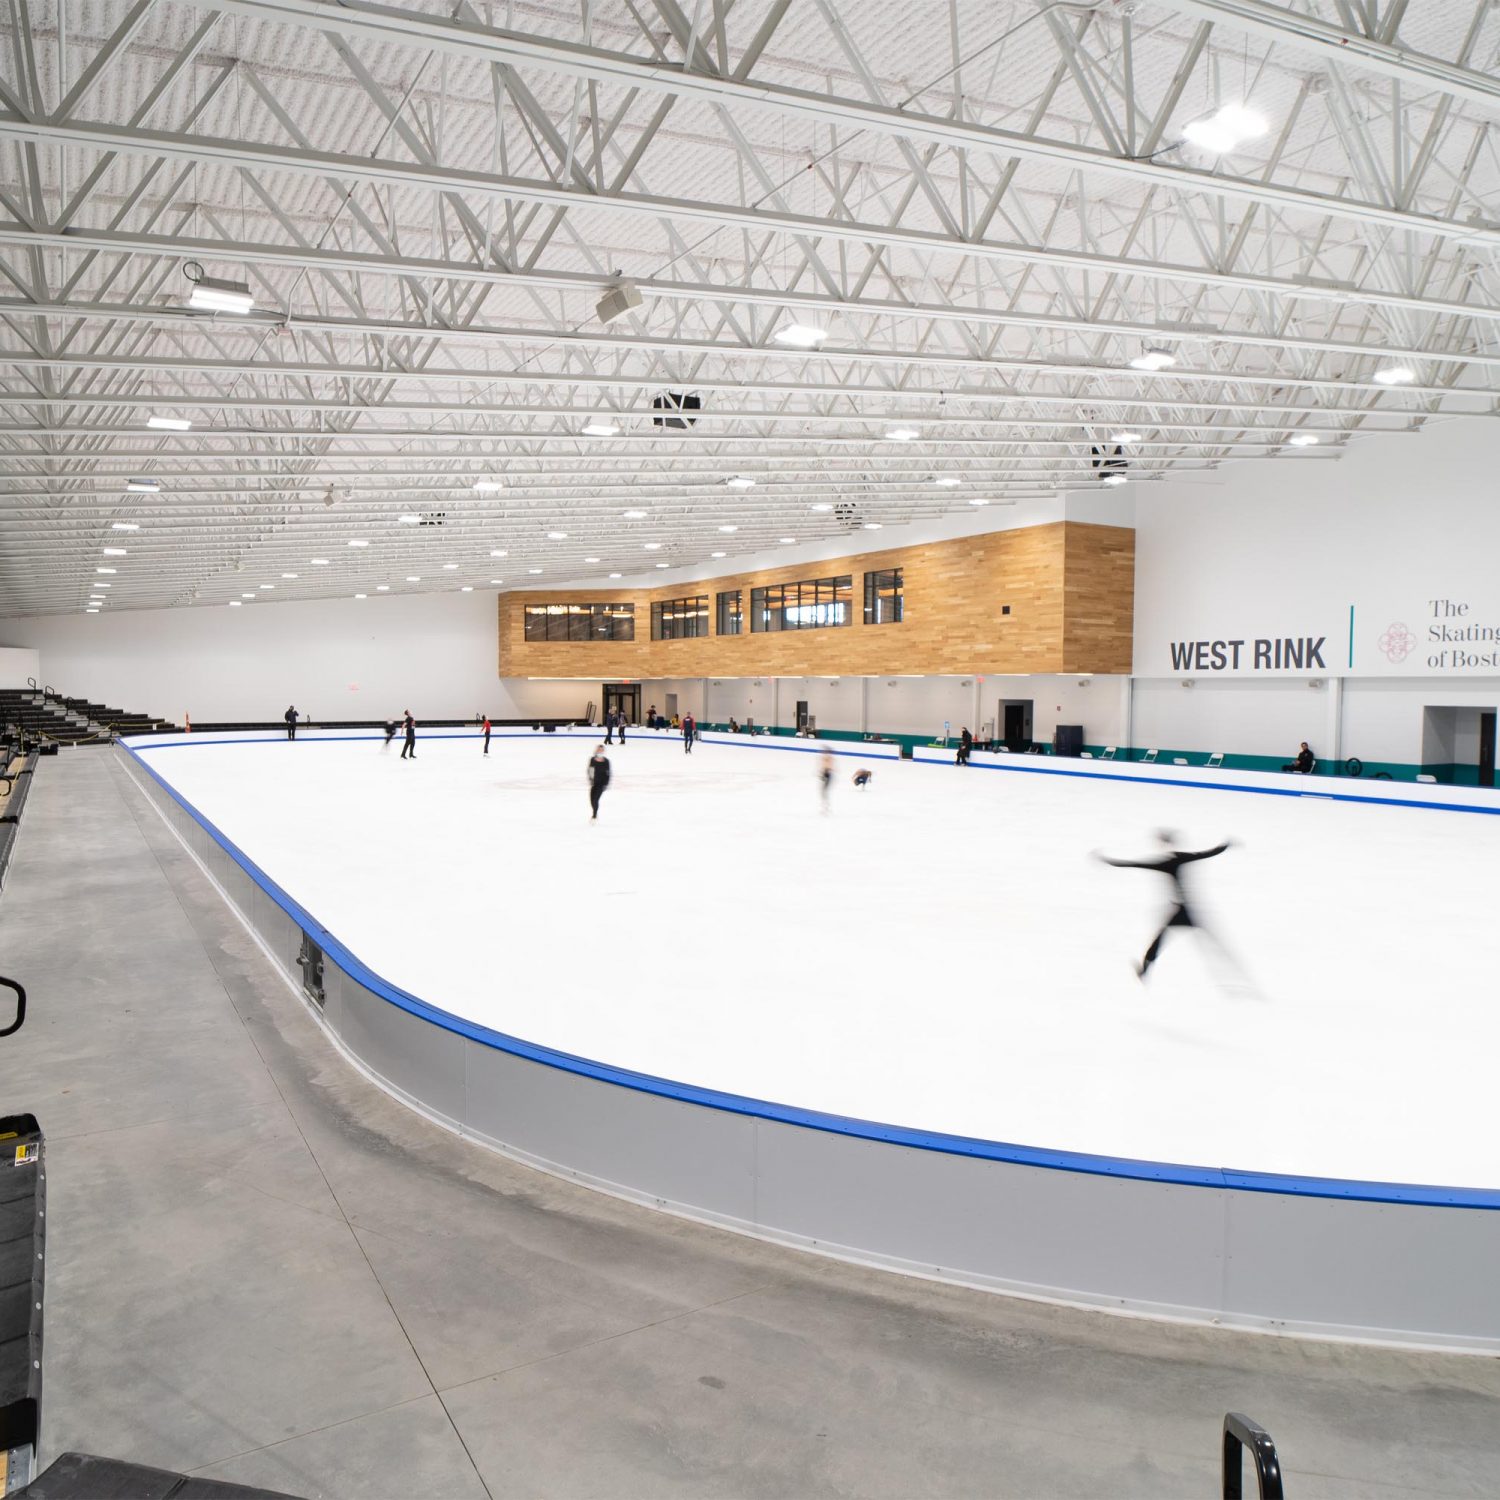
311,960
1241,1433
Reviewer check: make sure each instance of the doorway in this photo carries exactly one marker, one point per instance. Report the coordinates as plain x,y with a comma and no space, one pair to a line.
801,715
1458,744
1015,723
623,697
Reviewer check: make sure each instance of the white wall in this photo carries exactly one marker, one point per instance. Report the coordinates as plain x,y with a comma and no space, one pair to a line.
1244,718
1290,547
436,654
17,665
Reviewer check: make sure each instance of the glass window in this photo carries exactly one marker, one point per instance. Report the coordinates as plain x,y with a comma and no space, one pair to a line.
802,606
579,622
883,597
731,615
679,619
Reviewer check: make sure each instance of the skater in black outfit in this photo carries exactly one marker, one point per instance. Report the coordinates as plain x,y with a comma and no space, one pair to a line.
825,776
689,730
862,777
1170,863
409,749
609,727
965,748
291,723
598,773
486,734
390,733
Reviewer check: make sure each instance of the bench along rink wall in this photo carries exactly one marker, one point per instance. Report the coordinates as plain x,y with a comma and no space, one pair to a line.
1371,1261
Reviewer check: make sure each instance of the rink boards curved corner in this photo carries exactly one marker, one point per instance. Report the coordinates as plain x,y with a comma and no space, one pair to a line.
1372,1261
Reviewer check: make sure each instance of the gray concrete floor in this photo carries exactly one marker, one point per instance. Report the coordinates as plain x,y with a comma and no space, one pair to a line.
261,1268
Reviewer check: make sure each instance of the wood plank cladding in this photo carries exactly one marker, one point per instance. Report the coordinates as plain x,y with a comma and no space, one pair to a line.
1070,588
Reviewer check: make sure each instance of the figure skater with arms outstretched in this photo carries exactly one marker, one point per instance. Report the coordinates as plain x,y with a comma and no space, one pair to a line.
1169,863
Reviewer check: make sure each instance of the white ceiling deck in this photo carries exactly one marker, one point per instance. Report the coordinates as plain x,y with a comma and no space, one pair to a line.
988,206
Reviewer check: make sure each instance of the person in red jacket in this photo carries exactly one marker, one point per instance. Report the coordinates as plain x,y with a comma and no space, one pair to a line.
486,734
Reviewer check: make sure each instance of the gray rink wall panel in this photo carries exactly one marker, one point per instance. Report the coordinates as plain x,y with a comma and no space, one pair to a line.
1281,1261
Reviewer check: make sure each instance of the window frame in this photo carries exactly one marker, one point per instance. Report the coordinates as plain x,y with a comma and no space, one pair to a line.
577,622
895,580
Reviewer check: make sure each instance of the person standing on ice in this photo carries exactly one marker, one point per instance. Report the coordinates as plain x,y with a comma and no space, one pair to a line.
609,726
291,722
965,747
598,773
825,776
409,749
1169,863
486,734
689,730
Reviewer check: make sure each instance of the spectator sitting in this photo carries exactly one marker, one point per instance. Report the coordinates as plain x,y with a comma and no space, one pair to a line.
1304,762
734,727
651,717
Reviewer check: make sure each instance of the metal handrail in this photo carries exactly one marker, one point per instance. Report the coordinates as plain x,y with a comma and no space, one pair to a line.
20,1019
1241,1433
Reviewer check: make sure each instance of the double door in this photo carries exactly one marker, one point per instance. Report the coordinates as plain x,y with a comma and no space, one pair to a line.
623,697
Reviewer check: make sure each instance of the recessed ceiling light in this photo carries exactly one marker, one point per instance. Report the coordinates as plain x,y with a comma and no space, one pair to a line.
634,515
591,559
740,482
236,604
718,554
359,542
786,541
1113,479
500,552
106,570
729,528
247,596
600,429
1126,437
616,575
1224,129
821,507
652,546
318,562
1395,375
413,578
91,611
268,585
361,596
902,434
450,567
153,486
664,565
408,520
210,294
114,551
800,335
382,588
872,525
1155,358
169,424
946,481
978,501
533,570
468,588
104,585
557,536
488,486
288,575
1303,440
124,526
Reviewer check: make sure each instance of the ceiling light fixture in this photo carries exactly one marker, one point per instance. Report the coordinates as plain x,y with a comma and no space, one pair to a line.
533,570
359,542
318,562
247,596
718,554
1113,479
169,424
633,515
288,575
361,596
106,570
413,578
977,500
800,335
601,429
382,588
487,486
740,482
820,507
557,536
124,525
664,565
1225,129
236,604
1154,358
591,559
468,588
408,520
1126,437
268,585
1394,375
114,551
902,434
1303,440
153,486
212,294
450,567
91,611
946,481
652,546
786,541
873,525
729,528
616,575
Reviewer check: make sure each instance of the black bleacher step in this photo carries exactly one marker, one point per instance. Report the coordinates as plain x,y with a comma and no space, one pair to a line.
81,1476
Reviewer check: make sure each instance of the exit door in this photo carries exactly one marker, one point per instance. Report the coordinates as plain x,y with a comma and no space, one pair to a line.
623,697
801,715
1015,722
1487,749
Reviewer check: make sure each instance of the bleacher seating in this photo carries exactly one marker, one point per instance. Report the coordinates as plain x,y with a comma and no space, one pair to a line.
41,717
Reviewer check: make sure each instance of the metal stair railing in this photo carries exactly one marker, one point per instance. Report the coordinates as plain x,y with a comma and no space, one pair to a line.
1241,1433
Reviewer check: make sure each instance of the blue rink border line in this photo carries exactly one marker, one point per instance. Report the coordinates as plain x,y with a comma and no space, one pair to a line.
1411,1194
751,742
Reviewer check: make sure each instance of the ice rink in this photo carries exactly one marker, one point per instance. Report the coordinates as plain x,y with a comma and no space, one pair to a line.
939,952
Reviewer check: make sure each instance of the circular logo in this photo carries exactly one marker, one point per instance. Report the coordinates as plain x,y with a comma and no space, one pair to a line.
1398,642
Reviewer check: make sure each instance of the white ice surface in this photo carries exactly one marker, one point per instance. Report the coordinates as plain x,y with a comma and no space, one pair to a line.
939,952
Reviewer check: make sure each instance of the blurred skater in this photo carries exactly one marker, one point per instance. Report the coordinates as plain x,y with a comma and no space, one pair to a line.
598,773
863,777
689,733
486,734
825,777
965,747
291,722
409,749
390,733
1170,863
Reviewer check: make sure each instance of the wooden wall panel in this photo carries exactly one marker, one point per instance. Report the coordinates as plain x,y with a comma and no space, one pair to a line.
955,591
